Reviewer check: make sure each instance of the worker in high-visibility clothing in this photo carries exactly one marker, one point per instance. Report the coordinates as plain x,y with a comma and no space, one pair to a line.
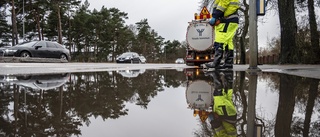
224,114
225,12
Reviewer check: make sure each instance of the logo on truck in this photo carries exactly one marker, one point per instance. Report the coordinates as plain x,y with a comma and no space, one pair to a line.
199,98
200,31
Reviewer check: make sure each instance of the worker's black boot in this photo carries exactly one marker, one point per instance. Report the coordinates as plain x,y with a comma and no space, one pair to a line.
217,56
228,62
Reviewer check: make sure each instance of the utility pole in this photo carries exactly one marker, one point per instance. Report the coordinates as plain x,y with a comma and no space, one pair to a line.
253,40
253,67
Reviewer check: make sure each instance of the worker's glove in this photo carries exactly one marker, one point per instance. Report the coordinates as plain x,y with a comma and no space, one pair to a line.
212,21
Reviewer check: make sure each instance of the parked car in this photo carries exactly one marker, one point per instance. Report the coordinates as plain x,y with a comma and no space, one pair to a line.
128,57
179,61
142,59
39,49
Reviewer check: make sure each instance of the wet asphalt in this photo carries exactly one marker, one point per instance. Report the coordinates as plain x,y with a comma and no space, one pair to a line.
309,71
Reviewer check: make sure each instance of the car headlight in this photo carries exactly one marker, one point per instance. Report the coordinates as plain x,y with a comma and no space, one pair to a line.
10,50
128,57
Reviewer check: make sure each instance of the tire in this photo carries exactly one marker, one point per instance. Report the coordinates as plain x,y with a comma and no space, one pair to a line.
63,57
25,54
24,77
135,61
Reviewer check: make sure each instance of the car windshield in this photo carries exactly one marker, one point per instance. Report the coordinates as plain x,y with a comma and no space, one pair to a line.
126,54
27,44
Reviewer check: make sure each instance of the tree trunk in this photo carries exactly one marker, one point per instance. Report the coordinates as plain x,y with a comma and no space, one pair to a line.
59,24
14,26
244,33
314,31
38,24
288,27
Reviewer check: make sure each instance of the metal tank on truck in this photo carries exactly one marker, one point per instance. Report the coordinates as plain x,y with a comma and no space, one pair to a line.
200,39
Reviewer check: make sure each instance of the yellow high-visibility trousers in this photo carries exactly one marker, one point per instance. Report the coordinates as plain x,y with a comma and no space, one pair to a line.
224,33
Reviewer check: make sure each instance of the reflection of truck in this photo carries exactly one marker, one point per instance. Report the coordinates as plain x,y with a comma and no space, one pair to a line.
200,38
199,93
199,90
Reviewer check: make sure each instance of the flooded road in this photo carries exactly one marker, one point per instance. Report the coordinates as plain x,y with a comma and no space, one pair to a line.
158,103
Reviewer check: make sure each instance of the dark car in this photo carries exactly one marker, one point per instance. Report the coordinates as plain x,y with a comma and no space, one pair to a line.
39,49
128,57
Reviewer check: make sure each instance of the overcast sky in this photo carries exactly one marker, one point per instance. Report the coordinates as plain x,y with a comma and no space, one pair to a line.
170,17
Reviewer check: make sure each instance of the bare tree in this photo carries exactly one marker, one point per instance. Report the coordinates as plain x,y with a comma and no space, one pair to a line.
313,29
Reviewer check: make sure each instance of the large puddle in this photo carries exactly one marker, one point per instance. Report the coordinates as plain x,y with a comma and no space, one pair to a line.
159,103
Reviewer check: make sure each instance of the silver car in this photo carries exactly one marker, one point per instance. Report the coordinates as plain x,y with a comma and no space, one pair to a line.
179,61
142,59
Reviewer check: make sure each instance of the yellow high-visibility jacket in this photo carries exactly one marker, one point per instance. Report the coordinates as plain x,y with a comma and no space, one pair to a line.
224,8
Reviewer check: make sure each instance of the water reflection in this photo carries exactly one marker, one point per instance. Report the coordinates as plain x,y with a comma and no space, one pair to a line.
199,93
131,73
210,95
284,105
37,82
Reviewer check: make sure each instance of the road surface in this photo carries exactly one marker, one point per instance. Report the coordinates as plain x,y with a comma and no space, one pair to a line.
311,71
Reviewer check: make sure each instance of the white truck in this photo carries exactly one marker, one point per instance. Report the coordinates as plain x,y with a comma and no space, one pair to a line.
200,39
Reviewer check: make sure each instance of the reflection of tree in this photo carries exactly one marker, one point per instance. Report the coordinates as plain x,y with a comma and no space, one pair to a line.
240,86
286,106
308,101
61,111
294,93
313,92
6,96
298,98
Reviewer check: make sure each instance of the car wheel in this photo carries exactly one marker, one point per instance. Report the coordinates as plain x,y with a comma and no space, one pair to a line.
190,64
24,77
25,54
63,57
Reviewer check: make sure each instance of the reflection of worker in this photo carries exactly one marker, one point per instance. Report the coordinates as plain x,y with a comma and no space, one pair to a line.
223,118
224,11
